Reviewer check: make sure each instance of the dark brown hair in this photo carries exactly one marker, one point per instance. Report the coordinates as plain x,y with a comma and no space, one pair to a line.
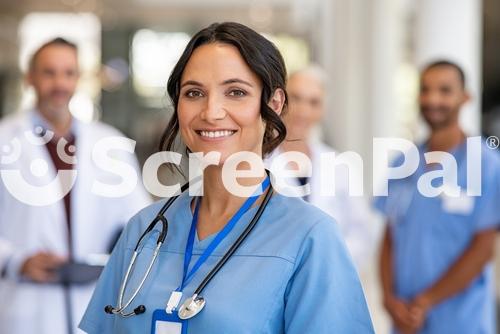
446,63
262,57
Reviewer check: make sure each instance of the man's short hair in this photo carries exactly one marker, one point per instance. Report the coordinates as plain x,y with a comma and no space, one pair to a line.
446,63
58,41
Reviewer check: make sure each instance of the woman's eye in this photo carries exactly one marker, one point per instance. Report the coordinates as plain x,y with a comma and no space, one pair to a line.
237,93
193,93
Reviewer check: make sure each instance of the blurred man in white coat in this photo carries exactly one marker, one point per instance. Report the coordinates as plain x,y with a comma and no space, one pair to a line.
54,208
306,108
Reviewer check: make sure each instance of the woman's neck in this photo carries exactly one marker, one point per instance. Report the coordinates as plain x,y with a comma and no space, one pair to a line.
218,204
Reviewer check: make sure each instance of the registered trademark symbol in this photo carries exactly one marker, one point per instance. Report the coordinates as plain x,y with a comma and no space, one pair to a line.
492,142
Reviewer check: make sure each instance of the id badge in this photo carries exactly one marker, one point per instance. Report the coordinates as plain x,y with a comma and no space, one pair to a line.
462,205
164,323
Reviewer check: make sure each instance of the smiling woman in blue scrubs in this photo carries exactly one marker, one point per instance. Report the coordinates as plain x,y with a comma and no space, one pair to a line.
291,275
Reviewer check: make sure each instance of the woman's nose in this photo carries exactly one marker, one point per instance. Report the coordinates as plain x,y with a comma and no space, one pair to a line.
213,109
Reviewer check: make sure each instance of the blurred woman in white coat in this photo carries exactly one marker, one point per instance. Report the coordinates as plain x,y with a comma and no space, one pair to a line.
306,90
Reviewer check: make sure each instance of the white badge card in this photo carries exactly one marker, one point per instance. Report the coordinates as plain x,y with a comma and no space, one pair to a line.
164,323
462,205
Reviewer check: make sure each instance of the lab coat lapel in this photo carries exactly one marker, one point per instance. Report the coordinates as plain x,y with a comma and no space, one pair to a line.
49,220
82,214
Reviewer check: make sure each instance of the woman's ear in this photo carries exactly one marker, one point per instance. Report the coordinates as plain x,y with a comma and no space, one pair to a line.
277,101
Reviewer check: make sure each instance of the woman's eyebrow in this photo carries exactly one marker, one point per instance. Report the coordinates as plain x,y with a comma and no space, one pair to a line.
225,82
236,80
192,83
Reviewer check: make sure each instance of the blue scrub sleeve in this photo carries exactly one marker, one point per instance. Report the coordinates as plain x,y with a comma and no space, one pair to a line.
95,320
488,216
324,294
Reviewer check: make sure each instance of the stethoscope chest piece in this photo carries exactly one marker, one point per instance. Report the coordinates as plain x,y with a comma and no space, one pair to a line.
191,307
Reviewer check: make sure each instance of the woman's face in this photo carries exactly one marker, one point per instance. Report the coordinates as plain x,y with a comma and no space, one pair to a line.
219,102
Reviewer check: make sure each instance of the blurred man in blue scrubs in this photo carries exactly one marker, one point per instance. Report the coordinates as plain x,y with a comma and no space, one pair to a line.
436,254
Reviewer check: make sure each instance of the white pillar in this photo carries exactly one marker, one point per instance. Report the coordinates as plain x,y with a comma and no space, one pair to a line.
450,29
359,48
344,49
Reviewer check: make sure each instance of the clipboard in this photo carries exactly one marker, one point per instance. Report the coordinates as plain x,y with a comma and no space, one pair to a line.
77,273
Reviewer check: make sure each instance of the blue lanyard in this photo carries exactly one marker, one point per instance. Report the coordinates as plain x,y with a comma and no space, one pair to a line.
186,278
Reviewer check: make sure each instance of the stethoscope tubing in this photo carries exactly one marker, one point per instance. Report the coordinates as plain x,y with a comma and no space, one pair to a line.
161,239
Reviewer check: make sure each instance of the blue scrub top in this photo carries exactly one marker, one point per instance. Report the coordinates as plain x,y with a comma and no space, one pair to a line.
430,234
291,275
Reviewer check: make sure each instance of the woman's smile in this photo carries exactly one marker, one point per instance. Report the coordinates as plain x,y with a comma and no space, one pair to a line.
215,134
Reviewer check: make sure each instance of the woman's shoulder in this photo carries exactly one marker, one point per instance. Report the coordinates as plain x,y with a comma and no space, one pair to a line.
297,211
293,223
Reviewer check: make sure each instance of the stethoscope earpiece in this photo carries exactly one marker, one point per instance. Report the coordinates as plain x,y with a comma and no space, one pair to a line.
139,309
108,309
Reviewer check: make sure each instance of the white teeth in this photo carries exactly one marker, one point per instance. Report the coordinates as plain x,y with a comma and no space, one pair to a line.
216,134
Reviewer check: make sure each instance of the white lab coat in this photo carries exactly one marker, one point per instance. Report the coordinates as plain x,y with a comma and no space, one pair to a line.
26,229
352,213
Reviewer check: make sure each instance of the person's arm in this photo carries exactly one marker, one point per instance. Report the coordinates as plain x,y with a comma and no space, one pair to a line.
324,294
39,267
18,265
460,275
386,274
397,308
480,251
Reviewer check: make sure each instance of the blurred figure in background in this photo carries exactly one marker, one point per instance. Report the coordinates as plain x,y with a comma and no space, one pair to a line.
37,240
307,91
436,254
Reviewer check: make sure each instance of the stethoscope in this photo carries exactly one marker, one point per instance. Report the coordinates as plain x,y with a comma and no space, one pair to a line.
193,305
